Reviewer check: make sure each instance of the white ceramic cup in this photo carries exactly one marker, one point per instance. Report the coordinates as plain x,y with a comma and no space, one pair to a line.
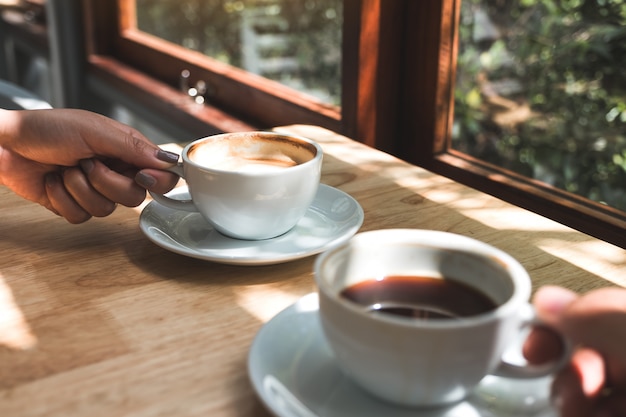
249,185
419,362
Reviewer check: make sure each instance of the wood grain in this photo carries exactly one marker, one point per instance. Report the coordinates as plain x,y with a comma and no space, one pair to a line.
95,320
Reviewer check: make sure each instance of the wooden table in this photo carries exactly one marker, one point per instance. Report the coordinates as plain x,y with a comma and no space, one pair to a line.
95,320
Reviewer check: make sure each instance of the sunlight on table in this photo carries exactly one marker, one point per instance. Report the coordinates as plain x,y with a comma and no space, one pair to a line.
264,301
15,334
592,256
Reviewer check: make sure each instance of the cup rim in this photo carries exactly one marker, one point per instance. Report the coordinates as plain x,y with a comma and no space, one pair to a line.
436,239
316,158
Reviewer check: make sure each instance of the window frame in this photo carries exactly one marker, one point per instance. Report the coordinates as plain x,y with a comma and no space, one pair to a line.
248,97
427,138
398,76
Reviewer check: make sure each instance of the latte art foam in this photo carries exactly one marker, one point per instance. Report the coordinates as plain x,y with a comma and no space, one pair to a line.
253,165
251,154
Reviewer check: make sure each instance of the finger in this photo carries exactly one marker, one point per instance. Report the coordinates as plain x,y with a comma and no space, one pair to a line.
576,390
62,202
115,186
85,195
86,135
598,320
590,367
550,302
126,143
542,345
156,180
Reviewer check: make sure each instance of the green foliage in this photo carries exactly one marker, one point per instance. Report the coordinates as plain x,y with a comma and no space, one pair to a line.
213,27
567,57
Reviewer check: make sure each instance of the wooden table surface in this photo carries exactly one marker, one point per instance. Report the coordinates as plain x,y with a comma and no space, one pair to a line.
96,320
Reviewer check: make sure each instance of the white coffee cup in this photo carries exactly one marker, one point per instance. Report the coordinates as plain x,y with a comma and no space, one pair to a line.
249,185
416,361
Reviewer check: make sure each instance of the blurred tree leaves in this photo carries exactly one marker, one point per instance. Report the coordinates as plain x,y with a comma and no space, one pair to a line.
213,27
544,92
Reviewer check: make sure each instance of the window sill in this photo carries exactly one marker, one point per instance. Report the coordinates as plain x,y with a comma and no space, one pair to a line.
592,218
176,106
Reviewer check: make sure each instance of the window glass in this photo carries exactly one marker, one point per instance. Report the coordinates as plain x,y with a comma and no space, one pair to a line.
297,43
541,90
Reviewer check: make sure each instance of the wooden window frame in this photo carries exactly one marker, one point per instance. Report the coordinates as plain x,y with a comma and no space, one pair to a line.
398,72
241,95
428,109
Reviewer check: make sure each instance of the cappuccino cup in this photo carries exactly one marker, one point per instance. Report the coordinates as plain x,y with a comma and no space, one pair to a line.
418,317
249,185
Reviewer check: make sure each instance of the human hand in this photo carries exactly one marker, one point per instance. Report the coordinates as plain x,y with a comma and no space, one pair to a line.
594,383
79,164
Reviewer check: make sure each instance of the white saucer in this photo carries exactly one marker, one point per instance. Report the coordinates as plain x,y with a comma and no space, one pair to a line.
294,373
333,217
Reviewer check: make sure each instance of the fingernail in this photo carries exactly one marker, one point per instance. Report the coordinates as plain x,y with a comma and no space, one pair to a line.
86,165
145,180
167,156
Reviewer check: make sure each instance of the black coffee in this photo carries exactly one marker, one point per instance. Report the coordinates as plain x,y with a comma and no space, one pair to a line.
419,297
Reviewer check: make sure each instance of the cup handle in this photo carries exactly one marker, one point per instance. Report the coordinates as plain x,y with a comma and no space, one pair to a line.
183,205
526,370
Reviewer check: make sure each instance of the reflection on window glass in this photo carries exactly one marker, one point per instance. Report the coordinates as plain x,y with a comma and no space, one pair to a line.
297,43
541,90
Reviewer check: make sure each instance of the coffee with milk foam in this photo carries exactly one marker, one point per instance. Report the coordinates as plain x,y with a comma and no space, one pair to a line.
251,154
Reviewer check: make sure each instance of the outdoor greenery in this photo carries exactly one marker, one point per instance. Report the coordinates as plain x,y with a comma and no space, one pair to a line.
311,29
541,90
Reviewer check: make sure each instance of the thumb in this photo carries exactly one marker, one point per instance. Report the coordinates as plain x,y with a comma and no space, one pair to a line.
110,138
551,302
542,344
132,147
